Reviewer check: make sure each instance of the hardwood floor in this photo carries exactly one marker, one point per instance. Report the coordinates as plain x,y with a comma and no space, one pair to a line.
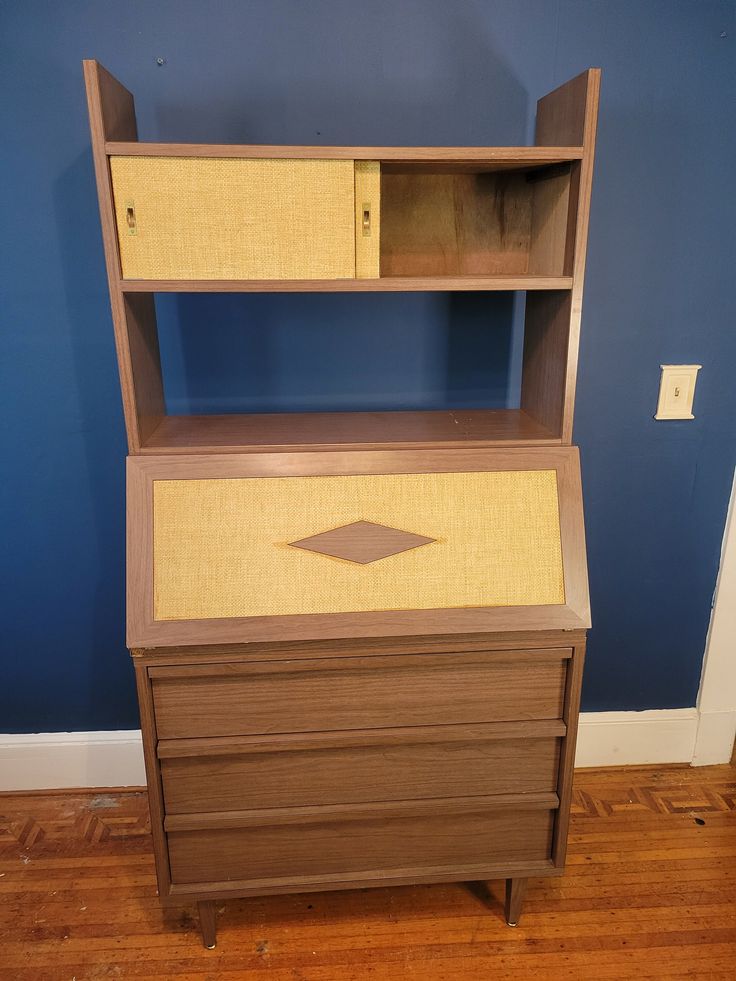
650,892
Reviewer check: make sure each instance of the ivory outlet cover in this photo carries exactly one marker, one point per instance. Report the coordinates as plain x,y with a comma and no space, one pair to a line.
676,391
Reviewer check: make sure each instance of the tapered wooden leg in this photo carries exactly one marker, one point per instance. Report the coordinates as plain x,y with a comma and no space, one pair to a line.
515,889
208,922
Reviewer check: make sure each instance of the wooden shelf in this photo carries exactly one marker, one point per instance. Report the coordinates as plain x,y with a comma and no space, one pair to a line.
392,284
346,430
467,158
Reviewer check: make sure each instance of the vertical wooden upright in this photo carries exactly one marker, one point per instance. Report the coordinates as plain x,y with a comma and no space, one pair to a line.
112,117
566,117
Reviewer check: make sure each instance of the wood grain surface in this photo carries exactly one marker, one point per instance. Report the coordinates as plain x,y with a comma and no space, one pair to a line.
291,772
356,693
650,892
292,431
479,157
385,284
332,845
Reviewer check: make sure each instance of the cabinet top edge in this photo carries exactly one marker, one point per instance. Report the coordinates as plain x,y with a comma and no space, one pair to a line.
474,154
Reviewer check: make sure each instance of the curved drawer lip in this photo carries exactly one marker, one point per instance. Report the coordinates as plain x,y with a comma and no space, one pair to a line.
208,746
341,813
428,659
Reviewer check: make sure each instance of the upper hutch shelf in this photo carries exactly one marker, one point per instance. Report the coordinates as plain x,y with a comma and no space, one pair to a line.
386,284
237,218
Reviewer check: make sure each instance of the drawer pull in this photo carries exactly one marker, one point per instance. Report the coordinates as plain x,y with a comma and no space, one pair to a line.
130,216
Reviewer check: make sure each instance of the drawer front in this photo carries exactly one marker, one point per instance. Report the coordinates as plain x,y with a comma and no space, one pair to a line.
341,769
206,218
334,846
357,693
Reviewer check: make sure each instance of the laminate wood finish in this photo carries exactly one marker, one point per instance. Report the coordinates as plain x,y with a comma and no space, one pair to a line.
648,893
455,224
552,326
112,115
386,284
545,362
515,892
290,432
208,923
187,658
325,844
357,693
289,774
478,157
362,542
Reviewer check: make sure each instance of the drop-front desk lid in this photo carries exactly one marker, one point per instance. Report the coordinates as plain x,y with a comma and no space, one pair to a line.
293,546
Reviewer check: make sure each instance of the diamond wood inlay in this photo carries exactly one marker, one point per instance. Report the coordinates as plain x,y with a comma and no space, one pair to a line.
362,541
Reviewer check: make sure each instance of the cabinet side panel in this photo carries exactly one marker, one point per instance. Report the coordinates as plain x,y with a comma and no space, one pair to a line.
112,117
153,777
571,715
546,363
568,117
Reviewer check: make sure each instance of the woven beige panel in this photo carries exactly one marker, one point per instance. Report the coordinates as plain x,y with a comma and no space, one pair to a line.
221,546
367,198
206,218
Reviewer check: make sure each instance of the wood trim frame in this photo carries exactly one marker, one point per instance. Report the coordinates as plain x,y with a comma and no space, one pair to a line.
144,631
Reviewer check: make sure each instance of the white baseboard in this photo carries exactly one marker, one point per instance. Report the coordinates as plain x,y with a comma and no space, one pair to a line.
715,738
58,760
630,738
51,760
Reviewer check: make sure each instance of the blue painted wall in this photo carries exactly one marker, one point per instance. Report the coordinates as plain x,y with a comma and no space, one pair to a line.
660,288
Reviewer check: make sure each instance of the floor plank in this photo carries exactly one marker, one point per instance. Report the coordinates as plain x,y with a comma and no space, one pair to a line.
650,892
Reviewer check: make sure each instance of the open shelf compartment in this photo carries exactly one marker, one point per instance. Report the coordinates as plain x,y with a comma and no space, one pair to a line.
302,223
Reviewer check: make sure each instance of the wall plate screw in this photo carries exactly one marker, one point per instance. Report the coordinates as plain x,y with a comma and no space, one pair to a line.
160,61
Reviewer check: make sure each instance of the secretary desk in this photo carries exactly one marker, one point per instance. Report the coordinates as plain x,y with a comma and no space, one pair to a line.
358,637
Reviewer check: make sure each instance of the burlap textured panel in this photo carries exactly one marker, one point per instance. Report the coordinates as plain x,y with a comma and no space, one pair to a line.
367,241
221,546
207,218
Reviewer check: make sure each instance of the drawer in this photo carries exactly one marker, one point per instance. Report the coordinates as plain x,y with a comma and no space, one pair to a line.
240,773
234,218
325,694
342,841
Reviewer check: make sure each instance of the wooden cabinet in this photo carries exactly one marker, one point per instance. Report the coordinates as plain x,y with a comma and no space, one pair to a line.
358,637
